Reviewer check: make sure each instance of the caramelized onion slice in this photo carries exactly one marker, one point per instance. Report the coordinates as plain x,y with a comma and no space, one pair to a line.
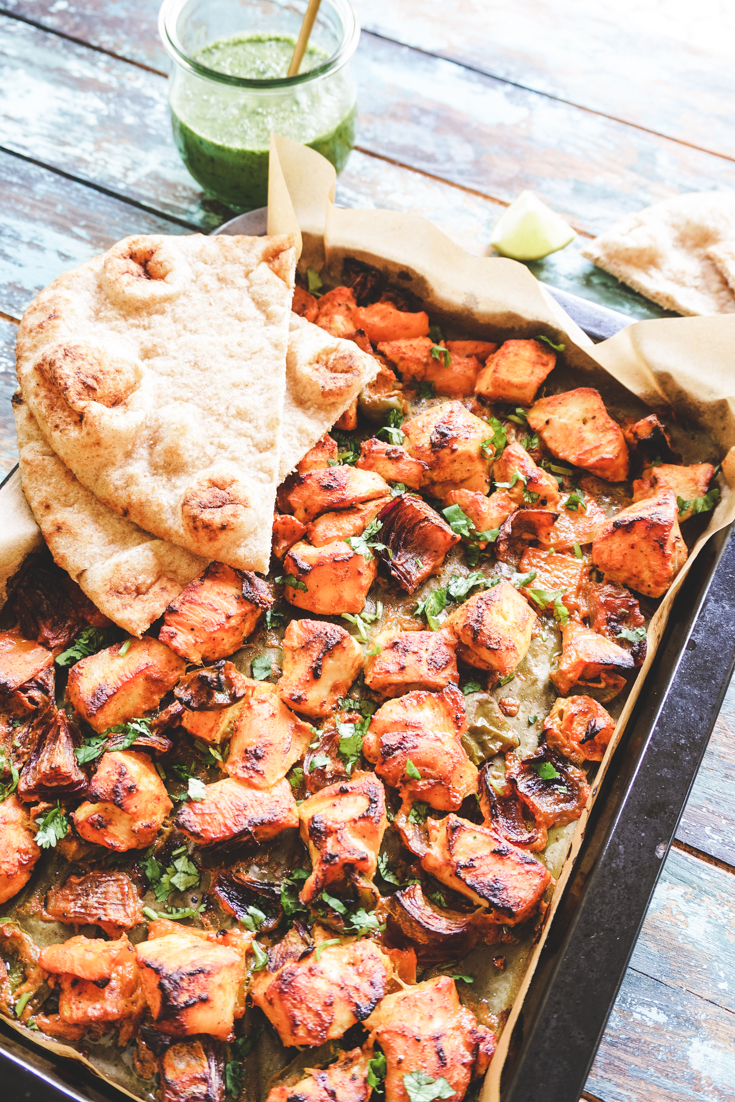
435,933
211,688
553,789
237,892
52,771
522,527
416,540
504,810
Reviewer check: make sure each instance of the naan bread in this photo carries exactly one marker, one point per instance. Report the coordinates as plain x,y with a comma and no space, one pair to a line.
678,253
157,373
128,574
324,375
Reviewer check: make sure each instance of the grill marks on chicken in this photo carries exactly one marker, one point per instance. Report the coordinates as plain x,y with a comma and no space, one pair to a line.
642,546
127,802
230,809
333,578
410,660
576,426
343,1081
18,849
494,629
449,440
267,738
320,662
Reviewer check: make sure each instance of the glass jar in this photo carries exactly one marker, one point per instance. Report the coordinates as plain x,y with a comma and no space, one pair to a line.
222,121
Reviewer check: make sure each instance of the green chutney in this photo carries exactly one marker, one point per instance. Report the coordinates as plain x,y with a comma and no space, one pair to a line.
223,132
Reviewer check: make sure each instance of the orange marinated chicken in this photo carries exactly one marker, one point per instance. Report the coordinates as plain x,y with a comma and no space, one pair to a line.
343,523
98,980
343,1081
215,614
338,312
192,1071
104,898
126,802
524,482
590,661
20,660
485,513
415,540
579,728
329,580
287,531
424,1028
554,573
642,546
383,321
320,457
348,421
686,483
230,809
449,440
191,985
392,462
416,742
580,520
480,349
334,488
343,826
267,738
311,1001
420,359
320,662
515,372
479,863
211,697
304,304
111,687
213,726
408,660
576,426
494,629
18,849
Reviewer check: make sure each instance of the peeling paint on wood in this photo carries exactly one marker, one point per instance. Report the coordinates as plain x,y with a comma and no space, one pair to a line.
708,822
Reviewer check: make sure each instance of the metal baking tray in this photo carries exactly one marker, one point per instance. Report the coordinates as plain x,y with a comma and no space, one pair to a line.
628,835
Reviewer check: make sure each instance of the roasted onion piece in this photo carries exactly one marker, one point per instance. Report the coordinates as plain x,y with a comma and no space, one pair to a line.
522,527
193,1071
590,660
615,613
416,540
49,607
52,771
503,809
237,892
552,789
211,688
435,933
579,728
104,898
649,442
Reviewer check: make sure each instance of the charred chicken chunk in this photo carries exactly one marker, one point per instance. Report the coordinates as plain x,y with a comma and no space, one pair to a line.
344,523
230,809
338,312
98,980
214,614
410,660
191,986
20,660
383,321
320,457
494,629
686,483
524,482
485,513
127,802
449,441
614,612
576,426
515,372
287,531
580,519
193,1071
18,849
415,540
435,933
416,742
304,304
311,1001
343,826
328,580
591,661
334,488
392,462
642,546
320,662
52,771
479,863
424,1028
111,687
345,1080
104,898
209,701
452,374
555,574
504,811
267,738
553,790
649,441
579,728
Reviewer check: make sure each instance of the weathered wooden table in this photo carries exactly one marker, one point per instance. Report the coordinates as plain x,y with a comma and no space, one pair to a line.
601,109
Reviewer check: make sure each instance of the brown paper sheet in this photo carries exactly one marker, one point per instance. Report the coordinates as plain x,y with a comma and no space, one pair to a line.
684,366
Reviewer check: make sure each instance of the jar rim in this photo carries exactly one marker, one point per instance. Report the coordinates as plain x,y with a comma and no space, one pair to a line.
167,20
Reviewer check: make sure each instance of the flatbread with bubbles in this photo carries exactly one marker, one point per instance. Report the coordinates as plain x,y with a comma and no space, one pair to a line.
157,373
679,253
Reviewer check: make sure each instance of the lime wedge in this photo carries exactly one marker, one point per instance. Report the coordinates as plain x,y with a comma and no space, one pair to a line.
530,230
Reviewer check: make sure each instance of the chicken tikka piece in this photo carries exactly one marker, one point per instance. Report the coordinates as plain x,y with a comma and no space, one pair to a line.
367,709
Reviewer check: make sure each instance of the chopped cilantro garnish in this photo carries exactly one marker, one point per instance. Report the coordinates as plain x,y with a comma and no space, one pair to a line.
439,353
548,340
699,504
633,635
575,501
412,771
377,1069
93,747
89,641
426,390
261,957
273,618
314,282
289,579
240,1049
519,416
319,761
253,919
363,544
472,687
53,826
578,551
545,770
431,606
261,667
419,811
392,432
435,333
351,738
323,945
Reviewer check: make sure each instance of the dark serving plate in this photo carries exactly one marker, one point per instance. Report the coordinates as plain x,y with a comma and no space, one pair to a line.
628,835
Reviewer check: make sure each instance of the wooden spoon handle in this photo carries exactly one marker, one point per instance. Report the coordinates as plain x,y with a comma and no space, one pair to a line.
304,35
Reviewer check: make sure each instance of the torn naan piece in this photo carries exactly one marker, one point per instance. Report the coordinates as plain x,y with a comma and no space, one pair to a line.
324,375
678,253
129,575
157,372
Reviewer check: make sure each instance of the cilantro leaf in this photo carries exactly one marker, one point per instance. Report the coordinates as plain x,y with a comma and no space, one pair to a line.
261,957
519,416
699,504
498,439
351,738
53,826
290,580
241,1048
548,340
261,667
575,501
273,618
389,876
363,544
419,811
420,1087
426,390
363,922
459,522
290,901
314,282
334,902
468,978
524,579
431,606
296,776
89,641
9,786
545,770
253,919
472,687
436,334
545,597
349,449
392,432
377,1069
439,353
633,635
323,945
319,761
578,551
530,443
398,488
412,771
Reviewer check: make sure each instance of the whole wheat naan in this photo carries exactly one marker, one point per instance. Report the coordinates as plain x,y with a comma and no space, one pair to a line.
157,373
679,253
